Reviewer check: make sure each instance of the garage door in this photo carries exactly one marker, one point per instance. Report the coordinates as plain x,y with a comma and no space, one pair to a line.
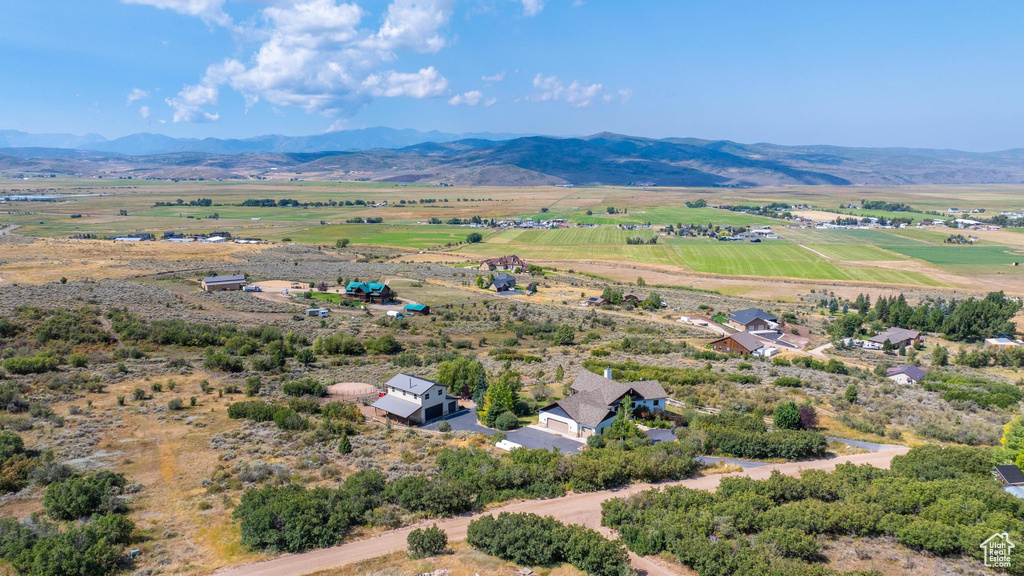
586,432
453,407
558,425
433,412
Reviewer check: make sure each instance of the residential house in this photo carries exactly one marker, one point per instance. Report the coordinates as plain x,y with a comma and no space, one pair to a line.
503,282
633,298
1010,475
594,402
897,337
369,291
413,400
738,343
595,301
509,263
419,309
219,283
751,320
906,375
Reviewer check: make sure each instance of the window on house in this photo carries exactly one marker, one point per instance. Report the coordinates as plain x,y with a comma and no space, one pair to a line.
427,395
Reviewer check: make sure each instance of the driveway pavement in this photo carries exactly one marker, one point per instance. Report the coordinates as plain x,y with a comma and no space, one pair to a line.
527,437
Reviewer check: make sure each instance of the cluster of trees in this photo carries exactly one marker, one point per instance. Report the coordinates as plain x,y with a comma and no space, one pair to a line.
337,418
93,542
344,344
885,206
988,356
968,320
204,202
981,391
939,500
531,540
367,220
746,436
293,518
698,203
635,240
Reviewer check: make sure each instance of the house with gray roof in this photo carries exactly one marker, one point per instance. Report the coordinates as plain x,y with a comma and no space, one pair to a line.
412,400
594,401
906,375
897,337
503,282
752,319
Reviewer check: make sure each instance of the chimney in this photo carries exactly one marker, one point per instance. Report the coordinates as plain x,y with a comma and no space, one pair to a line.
608,372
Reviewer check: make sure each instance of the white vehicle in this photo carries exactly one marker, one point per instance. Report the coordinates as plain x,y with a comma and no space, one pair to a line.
251,289
395,314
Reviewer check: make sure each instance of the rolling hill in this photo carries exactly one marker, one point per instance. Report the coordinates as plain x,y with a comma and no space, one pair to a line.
384,154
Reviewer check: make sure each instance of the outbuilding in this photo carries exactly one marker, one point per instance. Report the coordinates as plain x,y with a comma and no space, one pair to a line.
220,283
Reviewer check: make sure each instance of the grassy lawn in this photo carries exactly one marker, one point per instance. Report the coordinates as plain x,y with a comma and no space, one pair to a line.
965,258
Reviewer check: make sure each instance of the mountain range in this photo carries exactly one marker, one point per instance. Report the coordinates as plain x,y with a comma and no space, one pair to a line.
389,155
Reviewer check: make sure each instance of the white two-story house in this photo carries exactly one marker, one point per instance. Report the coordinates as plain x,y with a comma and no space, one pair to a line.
413,400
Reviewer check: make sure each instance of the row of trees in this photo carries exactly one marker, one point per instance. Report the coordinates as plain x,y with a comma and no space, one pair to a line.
968,320
939,500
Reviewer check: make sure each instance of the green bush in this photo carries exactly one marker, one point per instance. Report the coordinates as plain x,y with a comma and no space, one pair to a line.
293,519
30,364
788,382
83,496
424,542
786,417
306,387
532,540
506,421
78,360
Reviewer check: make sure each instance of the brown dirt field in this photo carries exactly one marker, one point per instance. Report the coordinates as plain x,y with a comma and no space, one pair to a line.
170,458
47,260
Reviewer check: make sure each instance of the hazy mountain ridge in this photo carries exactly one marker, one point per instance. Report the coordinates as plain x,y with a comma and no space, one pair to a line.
603,158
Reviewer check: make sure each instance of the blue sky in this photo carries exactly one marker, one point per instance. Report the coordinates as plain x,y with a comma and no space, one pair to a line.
935,74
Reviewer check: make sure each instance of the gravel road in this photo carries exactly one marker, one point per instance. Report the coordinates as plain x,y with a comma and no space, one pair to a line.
584,508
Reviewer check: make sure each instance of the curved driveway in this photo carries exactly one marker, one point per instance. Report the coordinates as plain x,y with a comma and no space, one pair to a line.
582,508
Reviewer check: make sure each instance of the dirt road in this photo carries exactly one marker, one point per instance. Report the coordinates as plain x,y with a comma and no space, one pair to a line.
582,509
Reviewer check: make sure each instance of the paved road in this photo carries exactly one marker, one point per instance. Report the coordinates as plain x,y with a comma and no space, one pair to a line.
582,509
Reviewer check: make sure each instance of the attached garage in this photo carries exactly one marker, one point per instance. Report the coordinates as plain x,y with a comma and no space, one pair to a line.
432,412
558,426
453,407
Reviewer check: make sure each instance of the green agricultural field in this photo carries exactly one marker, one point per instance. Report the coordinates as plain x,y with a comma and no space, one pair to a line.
856,252
964,258
766,259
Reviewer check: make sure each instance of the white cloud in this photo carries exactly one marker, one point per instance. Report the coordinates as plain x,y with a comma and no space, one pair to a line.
413,25
315,54
495,78
550,88
625,95
136,95
532,7
144,112
471,98
210,11
188,104
423,84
